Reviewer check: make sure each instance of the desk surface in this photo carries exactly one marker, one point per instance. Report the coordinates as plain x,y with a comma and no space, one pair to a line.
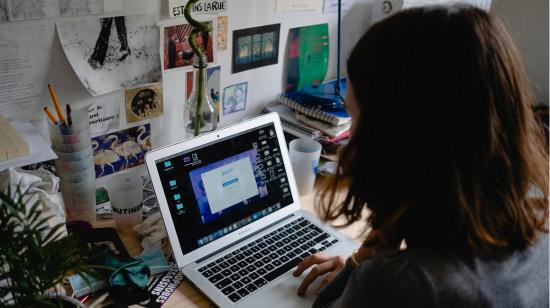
188,296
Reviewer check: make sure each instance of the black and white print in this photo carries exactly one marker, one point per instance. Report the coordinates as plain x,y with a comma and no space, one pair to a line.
33,9
80,7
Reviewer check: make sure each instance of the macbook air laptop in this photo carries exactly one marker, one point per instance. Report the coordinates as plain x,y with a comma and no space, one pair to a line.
232,211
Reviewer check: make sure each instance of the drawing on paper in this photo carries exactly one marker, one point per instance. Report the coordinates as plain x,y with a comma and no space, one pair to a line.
255,47
33,9
112,53
143,102
178,52
121,150
222,32
80,7
234,98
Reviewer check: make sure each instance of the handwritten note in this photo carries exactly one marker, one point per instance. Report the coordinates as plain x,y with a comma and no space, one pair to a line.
284,6
176,7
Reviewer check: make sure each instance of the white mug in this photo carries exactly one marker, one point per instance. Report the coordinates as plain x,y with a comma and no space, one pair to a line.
304,155
126,197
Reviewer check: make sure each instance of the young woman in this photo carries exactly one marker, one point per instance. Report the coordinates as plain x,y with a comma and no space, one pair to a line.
446,155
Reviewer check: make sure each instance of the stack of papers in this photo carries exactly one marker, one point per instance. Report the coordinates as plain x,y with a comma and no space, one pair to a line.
38,147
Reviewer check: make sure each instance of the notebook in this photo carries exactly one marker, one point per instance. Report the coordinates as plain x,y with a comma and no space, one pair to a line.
334,117
290,123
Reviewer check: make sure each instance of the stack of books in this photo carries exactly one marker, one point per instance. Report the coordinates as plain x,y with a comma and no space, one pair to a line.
302,120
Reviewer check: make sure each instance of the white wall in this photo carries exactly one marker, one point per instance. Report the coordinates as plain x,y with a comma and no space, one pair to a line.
528,23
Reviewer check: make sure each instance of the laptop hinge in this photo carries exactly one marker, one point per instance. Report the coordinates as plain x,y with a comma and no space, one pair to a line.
243,239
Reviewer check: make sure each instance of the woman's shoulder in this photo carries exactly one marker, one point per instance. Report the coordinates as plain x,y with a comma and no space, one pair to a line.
433,278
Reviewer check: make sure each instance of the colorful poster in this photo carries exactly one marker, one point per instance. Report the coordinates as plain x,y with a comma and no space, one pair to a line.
308,49
178,52
143,102
213,76
255,47
234,98
222,33
121,150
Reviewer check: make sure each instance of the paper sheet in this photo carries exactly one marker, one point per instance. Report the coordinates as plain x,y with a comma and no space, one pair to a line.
24,58
331,6
88,7
39,148
104,115
111,53
384,8
176,7
284,6
32,9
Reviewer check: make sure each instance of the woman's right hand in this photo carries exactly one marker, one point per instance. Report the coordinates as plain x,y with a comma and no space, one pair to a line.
325,264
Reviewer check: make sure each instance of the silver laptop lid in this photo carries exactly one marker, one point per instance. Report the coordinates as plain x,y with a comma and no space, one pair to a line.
221,187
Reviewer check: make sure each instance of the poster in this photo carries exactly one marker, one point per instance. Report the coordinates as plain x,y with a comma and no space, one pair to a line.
121,150
234,98
176,7
143,102
222,33
308,51
104,114
178,52
284,6
213,76
255,47
112,53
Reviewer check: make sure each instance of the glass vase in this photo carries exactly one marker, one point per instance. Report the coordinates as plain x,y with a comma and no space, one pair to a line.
200,113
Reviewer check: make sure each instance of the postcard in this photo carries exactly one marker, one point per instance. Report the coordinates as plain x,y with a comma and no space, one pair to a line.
178,52
121,150
255,47
222,33
234,98
143,102
213,75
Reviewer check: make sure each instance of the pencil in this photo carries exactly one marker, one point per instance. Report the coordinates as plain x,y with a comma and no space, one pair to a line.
56,104
51,116
69,118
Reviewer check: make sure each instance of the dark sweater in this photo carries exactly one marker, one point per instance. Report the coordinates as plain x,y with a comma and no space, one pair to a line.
423,278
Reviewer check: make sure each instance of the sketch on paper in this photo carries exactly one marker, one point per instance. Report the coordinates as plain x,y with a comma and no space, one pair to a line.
234,98
33,9
80,7
178,52
4,11
112,53
121,150
213,76
255,47
143,102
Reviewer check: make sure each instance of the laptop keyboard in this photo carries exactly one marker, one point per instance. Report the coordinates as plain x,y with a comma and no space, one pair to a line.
245,270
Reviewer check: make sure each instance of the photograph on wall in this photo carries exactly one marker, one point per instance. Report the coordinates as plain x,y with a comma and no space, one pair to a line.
213,76
143,102
177,51
255,47
112,53
121,150
308,51
234,98
88,7
4,11
222,33
32,9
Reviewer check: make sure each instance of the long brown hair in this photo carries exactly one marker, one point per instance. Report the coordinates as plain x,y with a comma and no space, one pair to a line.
446,151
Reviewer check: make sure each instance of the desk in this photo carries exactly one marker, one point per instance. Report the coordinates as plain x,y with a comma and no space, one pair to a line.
186,295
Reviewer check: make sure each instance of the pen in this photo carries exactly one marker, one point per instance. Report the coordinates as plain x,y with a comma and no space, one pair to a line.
56,104
51,116
69,118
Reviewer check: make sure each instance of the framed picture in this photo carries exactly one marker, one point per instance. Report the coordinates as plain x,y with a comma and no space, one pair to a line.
255,47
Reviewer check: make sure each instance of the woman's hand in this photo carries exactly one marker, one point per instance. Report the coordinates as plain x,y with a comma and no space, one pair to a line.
324,264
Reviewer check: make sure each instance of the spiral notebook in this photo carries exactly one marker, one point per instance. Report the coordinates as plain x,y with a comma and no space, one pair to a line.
334,117
290,123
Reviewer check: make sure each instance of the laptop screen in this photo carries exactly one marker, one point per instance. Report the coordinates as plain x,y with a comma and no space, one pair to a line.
223,186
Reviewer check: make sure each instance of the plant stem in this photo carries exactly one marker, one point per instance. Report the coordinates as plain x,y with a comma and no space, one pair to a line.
198,27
